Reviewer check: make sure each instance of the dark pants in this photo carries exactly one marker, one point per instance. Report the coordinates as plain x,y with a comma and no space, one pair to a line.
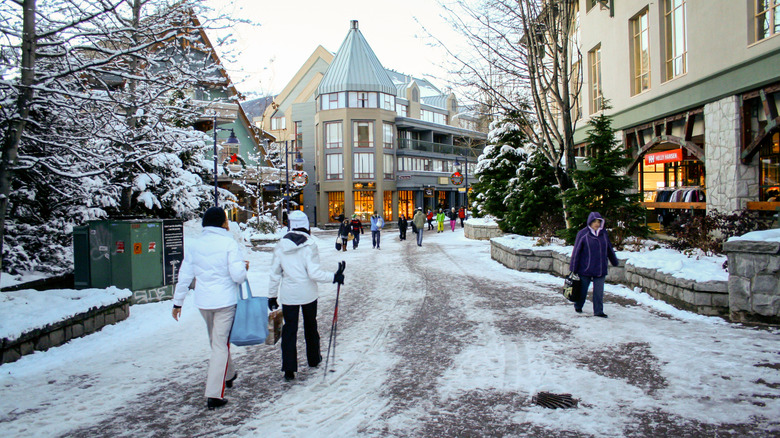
403,233
430,224
461,222
375,235
290,335
598,293
356,240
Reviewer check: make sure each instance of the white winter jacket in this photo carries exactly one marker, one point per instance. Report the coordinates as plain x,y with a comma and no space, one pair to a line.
296,268
215,261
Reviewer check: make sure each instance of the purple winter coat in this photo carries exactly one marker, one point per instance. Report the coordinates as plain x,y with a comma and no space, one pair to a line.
591,250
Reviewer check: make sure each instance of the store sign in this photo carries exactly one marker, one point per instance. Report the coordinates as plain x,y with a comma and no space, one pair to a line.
428,193
404,177
664,157
364,186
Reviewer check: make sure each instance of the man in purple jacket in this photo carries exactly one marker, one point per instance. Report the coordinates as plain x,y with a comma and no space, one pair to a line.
589,260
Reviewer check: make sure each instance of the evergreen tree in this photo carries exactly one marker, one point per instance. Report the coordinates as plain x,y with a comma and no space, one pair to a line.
496,166
604,188
533,205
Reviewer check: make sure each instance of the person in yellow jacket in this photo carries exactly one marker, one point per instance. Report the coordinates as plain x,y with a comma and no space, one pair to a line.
440,220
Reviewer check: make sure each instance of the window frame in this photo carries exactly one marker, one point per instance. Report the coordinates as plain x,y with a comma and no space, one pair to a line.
385,143
334,176
356,142
671,52
340,142
388,158
771,13
358,172
596,90
639,35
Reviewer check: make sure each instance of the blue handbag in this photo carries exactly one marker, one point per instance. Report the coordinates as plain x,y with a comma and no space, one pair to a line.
250,325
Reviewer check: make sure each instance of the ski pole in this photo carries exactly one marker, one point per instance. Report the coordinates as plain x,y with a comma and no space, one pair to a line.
333,325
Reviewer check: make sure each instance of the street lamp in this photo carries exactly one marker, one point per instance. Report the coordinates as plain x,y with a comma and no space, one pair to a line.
298,161
457,165
231,140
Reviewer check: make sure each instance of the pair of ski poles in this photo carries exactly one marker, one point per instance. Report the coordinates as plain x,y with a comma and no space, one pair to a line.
335,324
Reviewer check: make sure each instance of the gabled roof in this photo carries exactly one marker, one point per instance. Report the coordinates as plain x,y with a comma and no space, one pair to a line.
439,101
356,68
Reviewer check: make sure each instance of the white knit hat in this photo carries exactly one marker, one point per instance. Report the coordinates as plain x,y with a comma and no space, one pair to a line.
298,219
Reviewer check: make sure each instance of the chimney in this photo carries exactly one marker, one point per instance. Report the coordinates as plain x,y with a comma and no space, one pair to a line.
353,24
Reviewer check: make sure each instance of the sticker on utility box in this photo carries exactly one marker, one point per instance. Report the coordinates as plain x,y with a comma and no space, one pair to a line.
152,246
120,247
138,248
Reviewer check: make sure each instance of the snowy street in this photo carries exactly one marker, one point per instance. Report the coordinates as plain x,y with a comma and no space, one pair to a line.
436,341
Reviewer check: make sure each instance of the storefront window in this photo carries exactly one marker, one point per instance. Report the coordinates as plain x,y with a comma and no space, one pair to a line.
364,204
770,170
442,203
335,205
406,203
387,206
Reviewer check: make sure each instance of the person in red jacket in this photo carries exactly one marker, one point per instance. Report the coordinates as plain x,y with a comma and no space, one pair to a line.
430,219
462,215
357,230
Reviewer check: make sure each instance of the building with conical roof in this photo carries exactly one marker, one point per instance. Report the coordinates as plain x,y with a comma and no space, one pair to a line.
372,139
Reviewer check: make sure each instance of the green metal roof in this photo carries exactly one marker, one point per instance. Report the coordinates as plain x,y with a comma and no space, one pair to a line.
356,68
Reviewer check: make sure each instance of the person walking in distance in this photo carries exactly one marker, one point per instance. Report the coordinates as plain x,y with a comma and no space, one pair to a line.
430,220
592,249
215,260
377,223
357,230
440,221
453,218
403,224
419,223
295,272
344,229
461,215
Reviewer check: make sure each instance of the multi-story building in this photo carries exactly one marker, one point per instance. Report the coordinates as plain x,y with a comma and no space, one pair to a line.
694,87
373,139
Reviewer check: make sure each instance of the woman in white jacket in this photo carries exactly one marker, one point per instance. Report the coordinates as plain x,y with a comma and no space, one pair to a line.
295,272
216,262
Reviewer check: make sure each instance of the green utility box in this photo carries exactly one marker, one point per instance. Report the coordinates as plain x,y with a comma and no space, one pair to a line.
141,255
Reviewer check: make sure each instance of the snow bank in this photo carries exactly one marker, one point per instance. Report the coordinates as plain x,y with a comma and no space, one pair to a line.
514,241
488,220
26,310
668,261
759,236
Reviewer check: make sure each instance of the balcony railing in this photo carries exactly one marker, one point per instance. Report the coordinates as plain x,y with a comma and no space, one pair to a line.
429,146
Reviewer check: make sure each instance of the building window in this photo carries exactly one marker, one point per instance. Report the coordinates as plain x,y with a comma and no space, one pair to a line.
767,21
415,95
406,203
676,38
333,101
640,65
364,203
334,166
363,134
298,136
402,110
361,99
334,135
596,96
387,135
363,164
389,160
770,169
387,205
432,116
335,205
278,123
575,88
388,102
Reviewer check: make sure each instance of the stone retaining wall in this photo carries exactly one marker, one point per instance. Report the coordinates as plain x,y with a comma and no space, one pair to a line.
754,281
481,231
61,332
706,298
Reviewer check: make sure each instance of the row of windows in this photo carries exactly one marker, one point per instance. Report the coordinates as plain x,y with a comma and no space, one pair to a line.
356,99
363,165
362,135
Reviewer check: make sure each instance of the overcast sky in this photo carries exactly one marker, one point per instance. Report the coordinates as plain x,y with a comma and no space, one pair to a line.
290,30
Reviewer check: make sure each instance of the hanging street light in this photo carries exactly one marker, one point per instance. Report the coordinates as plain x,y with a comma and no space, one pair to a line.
232,140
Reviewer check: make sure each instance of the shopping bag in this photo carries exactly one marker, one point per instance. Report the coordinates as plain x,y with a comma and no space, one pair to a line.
572,287
414,228
338,243
250,325
275,322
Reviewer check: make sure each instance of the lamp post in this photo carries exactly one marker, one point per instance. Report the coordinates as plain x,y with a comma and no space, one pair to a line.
231,140
457,164
298,162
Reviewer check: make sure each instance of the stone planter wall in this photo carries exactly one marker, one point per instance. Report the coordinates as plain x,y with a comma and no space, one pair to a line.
481,231
754,281
61,332
706,298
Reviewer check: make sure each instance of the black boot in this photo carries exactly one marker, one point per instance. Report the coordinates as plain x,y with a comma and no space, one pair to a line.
214,403
229,383
289,375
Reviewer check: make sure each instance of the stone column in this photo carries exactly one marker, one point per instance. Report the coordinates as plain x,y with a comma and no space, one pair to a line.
730,184
754,281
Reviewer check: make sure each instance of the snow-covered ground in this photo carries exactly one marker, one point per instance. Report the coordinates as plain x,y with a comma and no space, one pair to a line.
432,341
